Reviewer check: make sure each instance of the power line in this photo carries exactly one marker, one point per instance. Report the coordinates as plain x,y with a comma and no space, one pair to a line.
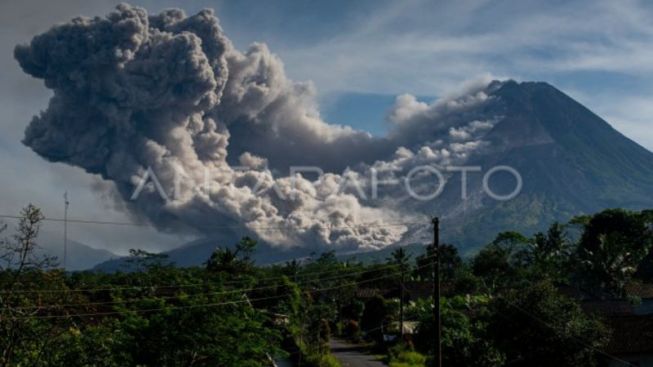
217,304
188,285
234,226
81,221
109,313
232,291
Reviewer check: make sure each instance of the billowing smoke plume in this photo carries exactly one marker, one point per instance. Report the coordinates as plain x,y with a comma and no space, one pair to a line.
138,94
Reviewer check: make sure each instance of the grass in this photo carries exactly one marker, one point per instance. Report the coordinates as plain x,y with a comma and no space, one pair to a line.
408,359
325,360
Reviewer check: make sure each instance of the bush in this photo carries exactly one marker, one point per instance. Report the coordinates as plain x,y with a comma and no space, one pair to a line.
324,360
408,359
402,356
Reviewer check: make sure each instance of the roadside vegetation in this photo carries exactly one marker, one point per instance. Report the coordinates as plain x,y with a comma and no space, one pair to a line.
512,303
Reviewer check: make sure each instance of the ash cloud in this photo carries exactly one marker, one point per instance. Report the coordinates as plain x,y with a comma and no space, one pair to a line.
269,115
170,93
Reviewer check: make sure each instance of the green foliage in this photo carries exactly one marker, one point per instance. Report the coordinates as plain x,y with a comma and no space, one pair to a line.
157,316
321,360
400,258
188,336
502,307
327,259
464,334
401,357
233,261
613,245
538,326
23,338
497,264
551,253
450,262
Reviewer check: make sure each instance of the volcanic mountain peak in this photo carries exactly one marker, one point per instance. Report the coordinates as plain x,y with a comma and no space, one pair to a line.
540,112
571,161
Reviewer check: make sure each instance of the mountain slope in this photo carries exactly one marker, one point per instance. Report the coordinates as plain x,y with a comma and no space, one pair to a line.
572,162
80,256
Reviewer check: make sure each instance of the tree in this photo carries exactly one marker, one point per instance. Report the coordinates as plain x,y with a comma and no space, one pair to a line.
327,259
550,253
319,335
196,336
400,258
613,245
20,335
536,326
464,336
499,263
291,268
450,262
20,254
234,261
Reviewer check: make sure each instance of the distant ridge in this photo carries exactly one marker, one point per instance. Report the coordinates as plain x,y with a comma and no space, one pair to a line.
80,256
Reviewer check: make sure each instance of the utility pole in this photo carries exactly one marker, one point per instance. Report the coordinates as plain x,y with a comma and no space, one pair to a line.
65,229
401,302
435,261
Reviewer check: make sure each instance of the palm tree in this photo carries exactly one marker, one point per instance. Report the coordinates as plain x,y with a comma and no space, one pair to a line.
234,260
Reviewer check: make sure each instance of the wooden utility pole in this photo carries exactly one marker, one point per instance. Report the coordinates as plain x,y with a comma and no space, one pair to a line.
401,302
435,260
65,230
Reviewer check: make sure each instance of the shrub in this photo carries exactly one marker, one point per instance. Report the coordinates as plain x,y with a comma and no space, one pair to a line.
408,359
401,355
324,360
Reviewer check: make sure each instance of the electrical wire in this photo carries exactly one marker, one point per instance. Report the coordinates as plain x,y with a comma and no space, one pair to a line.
242,226
206,305
171,286
232,291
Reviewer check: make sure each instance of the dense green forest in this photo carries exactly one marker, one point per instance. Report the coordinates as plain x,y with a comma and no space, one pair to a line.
509,304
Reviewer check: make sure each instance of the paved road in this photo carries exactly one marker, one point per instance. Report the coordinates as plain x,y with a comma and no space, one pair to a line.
352,355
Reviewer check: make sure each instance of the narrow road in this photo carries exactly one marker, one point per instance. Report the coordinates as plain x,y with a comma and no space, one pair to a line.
351,355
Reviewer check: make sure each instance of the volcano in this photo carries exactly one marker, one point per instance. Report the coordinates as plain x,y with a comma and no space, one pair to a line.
571,161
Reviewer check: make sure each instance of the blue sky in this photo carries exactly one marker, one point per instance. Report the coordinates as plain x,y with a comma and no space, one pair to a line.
360,55
600,52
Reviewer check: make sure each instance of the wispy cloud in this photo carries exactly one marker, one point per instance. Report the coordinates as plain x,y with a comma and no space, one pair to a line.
426,48
417,47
